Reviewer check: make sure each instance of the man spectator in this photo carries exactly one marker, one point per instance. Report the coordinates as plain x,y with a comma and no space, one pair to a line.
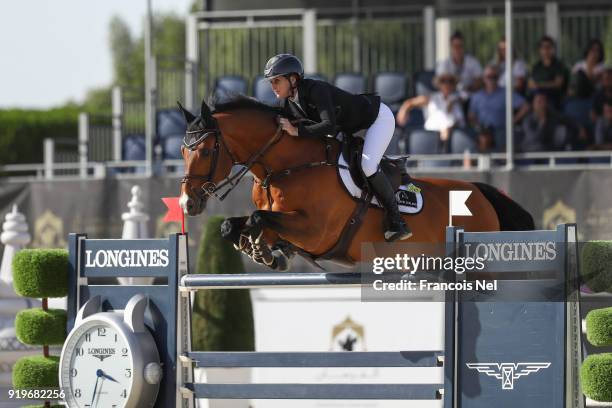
519,68
603,128
549,74
488,110
463,66
545,129
602,94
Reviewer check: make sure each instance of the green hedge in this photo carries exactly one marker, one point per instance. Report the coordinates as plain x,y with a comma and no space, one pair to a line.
35,372
222,319
40,273
596,268
596,377
22,132
41,327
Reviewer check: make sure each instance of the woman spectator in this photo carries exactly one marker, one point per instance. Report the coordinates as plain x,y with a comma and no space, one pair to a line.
443,110
549,74
519,68
587,73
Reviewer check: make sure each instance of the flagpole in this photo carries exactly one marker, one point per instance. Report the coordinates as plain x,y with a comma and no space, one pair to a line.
450,209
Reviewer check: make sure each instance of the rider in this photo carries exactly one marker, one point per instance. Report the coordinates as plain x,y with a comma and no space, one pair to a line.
334,109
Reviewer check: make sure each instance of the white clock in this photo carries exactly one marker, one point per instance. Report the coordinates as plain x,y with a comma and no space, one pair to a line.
110,359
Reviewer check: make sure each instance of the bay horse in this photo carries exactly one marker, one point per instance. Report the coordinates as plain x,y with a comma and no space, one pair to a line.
302,206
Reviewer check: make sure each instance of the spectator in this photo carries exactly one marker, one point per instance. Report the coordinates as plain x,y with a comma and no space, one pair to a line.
519,68
603,128
488,110
549,74
464,66
587,73
602,94
443,111
544,128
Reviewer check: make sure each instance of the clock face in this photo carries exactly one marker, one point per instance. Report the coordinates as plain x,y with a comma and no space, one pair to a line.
97,367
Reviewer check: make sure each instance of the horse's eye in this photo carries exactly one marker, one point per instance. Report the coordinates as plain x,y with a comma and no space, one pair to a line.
205,152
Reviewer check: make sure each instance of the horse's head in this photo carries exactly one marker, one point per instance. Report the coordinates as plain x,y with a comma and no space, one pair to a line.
207,160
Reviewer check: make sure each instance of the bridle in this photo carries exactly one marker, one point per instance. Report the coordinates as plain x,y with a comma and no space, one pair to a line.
210,188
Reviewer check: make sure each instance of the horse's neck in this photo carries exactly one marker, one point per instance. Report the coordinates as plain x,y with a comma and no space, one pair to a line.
287,152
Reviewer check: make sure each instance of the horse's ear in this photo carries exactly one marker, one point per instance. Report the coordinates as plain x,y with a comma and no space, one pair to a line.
186,114
205,112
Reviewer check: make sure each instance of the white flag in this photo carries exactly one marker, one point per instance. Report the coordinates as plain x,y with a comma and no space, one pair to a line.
457,199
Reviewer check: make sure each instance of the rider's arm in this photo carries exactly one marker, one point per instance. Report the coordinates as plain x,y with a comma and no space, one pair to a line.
321,98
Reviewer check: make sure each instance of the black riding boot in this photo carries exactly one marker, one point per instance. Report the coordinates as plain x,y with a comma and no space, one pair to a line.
395,227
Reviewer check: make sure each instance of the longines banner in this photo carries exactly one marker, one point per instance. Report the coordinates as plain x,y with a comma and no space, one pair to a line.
53,209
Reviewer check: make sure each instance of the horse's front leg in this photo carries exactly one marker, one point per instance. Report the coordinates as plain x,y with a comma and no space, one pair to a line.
264,227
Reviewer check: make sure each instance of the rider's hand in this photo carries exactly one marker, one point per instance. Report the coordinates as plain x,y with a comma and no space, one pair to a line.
288,127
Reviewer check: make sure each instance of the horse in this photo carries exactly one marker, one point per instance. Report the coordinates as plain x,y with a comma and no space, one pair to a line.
302,206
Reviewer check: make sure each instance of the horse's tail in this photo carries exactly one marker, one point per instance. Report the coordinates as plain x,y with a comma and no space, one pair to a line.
512,217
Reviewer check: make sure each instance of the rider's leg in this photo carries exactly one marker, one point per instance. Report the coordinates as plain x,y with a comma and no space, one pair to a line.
377,139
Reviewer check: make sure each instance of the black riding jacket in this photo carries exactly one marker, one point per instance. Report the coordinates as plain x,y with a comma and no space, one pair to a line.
331,108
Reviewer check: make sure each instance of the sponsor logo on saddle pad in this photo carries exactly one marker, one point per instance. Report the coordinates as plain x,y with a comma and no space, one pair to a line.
507,372
409,197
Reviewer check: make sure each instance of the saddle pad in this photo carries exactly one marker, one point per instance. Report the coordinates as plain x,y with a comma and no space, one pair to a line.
409,197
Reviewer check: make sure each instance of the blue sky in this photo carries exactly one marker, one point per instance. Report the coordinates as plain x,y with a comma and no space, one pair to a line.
54,50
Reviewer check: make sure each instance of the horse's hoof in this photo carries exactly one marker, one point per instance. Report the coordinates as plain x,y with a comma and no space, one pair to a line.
281,262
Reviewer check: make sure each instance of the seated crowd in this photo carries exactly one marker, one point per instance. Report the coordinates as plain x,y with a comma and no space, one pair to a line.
553,108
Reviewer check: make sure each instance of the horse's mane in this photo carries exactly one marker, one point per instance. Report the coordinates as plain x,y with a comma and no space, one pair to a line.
238,102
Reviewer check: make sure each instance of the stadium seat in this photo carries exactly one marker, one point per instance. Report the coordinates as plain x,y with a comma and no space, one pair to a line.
391,86
423,82
461,141
134,147
262,91
351,82
171,148
426,142
316,76
229,85
170,122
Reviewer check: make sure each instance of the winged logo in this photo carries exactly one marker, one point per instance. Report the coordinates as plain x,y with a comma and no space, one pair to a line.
507,372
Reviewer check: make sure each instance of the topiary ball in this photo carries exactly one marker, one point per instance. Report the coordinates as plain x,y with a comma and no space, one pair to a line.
41,327
596,265
40,273
35,372
599,327
596,377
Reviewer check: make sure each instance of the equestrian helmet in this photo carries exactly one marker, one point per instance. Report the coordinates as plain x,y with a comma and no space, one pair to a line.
283,64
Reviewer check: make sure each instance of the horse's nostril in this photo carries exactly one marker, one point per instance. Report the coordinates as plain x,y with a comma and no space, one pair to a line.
189,204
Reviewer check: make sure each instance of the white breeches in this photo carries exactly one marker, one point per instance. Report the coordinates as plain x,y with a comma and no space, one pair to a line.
377,139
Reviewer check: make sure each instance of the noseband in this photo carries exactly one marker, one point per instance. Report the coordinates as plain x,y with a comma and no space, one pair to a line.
209,187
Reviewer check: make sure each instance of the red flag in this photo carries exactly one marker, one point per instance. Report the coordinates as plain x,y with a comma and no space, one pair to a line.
175,212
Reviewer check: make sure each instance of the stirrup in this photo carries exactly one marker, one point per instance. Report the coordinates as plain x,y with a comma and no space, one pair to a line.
392,236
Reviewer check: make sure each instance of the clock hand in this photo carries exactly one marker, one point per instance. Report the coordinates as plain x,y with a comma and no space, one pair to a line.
109,377
99,392
98,374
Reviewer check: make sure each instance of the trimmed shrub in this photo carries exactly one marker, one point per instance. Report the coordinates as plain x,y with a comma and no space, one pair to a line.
596,377
222,319
36,372
40,273
599,327
41,327
596,268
